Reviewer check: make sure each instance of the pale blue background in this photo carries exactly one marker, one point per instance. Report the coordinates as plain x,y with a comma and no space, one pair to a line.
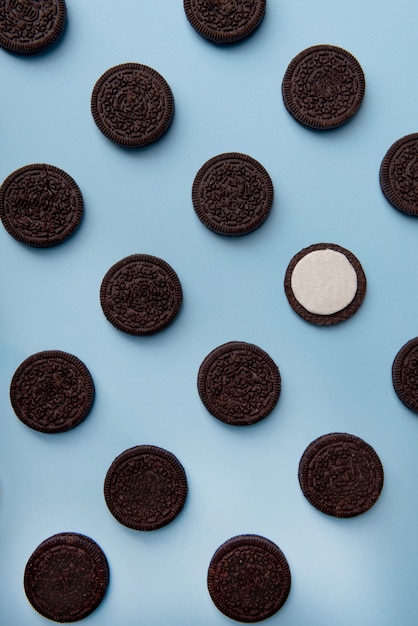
361,571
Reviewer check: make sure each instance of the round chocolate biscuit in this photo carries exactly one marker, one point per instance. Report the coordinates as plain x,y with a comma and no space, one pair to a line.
52,391
145,487
399,174
225,21
132,105
232,194
31,26
325,284
341,475
141,295
405,374
323,87
66,577
40,205
239,383
249,578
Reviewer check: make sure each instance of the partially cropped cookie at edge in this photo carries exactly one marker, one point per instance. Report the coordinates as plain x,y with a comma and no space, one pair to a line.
66,577
405,374
52,391
232,194
40,205
399,174
225,21
141,295
31,26
239,383
145,487
325,284
249,578
323,87
132,105
341,475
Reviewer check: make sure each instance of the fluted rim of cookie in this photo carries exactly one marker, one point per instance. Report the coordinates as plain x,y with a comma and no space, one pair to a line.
387,177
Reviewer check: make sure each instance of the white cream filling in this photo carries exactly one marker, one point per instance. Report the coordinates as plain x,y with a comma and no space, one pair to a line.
324,282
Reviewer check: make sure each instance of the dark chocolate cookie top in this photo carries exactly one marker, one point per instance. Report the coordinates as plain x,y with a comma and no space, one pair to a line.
405,374
52,391
31,26
145,487
66,577
323,87
132,105
141,294
325,284
399,174
239,383
225,21
249,578
40,205
341,475
232,194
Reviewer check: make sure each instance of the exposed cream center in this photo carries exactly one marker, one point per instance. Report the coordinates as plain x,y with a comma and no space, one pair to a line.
324,282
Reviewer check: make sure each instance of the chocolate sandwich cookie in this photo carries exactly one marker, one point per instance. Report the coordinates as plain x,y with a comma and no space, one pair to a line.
249,578
132,105
52,391
325,284
31,26
399,174
225,21
40,205
239,383
341,475
232,194
323,87
141,294
66,577
145,488
405,374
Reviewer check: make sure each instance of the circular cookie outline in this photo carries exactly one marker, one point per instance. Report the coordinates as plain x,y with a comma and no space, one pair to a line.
235,543
127,142
39,45
397,375
178,472
221,37
339,316
177,294
295,111
385,179
229,230
34,241
303,474
220,351
84,374
92,549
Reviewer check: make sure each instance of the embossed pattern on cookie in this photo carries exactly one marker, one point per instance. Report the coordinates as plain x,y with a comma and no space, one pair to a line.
141,295
145,487
66,577
232,194
31,26
52,391
249,578
40,205
399,174
132,105
405,374
325,284
239,383
323,87
225,21
341,475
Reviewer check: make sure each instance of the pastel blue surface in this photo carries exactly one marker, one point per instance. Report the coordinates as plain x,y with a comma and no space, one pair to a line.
241,480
